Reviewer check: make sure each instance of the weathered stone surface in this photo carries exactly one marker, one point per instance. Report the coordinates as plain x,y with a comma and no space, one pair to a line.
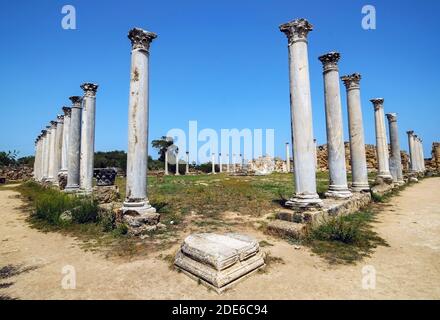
105,176
66,216
62,180
286,228
106,194
219,260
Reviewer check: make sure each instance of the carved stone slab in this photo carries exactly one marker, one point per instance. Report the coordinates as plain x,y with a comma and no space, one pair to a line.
219,260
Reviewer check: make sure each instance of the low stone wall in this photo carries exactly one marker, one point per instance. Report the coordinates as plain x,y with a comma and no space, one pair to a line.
16,173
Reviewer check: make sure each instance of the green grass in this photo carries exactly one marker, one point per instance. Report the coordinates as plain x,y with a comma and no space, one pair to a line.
345,239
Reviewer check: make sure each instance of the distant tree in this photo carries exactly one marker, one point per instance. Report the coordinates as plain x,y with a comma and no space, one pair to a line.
162,145
8,158
117,159
26,161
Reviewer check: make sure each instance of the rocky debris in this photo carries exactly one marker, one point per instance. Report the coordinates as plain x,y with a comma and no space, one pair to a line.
433,164
62,180
106,194
266,165
66,216
16,173
219,260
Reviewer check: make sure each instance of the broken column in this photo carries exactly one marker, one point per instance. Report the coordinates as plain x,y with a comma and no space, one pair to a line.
301,115
396,158
338,187
73,155
359,171
381,141
88,136
136,208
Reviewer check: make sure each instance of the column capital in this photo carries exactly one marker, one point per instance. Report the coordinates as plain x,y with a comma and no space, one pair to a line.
410,133
76,101
392,117
89,89
352,81
330,61
43,133
60,118
296,30
377,103
141,39
53,124
67,111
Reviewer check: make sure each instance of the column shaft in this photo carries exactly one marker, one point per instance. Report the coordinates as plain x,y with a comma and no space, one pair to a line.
65,143
58,147
396,158
73,162
52,154
338,187
381,141
287,157
301,115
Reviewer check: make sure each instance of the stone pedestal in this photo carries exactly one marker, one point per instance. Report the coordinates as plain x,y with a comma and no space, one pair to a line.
338,187
396,158
381,141
136,208
73,156
88,136
217,260
301,115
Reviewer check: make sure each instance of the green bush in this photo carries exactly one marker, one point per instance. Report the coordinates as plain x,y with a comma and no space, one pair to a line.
338,229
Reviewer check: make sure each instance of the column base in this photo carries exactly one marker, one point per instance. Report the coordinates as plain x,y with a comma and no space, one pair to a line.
71,189
400,183
139,214
338,193
360,187
304,202
384,178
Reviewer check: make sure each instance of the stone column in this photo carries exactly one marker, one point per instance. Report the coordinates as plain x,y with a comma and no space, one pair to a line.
65,144
234,163
423,155
43,155
416,154
396,158
316,153
228,160
213,163
88,136
58,147
35,172
381,141
52,155
419,154
412,152
166,162
177,162
73,156
220,162
338,187
137,197
187,163
287,157
356,132
301,115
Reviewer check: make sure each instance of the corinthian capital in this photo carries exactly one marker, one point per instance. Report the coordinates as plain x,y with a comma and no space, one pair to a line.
377,103
60,118
392,117
410,133
296,30
76,101
89,89
330,61
67,111
141,39
53,124
352,81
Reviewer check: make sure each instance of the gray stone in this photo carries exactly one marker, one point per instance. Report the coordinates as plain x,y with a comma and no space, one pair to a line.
66,216
219,260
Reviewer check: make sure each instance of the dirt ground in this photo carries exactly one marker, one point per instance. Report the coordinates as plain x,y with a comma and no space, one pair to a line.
408,269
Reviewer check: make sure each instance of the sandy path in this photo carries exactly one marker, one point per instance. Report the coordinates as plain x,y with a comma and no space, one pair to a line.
409,268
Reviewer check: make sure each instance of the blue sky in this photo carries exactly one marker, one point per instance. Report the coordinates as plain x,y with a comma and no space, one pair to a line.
222,63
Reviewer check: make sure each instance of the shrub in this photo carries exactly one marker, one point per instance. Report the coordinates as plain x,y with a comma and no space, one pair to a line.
338,229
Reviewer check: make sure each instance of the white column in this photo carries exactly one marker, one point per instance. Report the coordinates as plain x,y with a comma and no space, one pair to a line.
88,136
35,174
381,141
418,154
137,156
213,163
166,162
423,155
234,163
65,144
412,152
338,187
301,115
358,163
44,162
58,147
52,155
228,160
396,158
187,163
287,157
177,162
315,149
73,161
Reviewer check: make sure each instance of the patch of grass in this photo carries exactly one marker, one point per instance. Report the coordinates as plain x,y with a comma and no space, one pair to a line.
345,239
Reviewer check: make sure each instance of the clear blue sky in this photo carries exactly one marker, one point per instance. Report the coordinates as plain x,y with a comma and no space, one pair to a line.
222,63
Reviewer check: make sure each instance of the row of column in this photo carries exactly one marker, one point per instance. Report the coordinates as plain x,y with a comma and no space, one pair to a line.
304,149
417,159
66,147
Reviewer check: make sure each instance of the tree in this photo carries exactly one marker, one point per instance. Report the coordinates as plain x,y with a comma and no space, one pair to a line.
8,158
162,145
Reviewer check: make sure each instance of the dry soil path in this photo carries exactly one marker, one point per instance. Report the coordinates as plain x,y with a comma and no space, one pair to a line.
409,268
